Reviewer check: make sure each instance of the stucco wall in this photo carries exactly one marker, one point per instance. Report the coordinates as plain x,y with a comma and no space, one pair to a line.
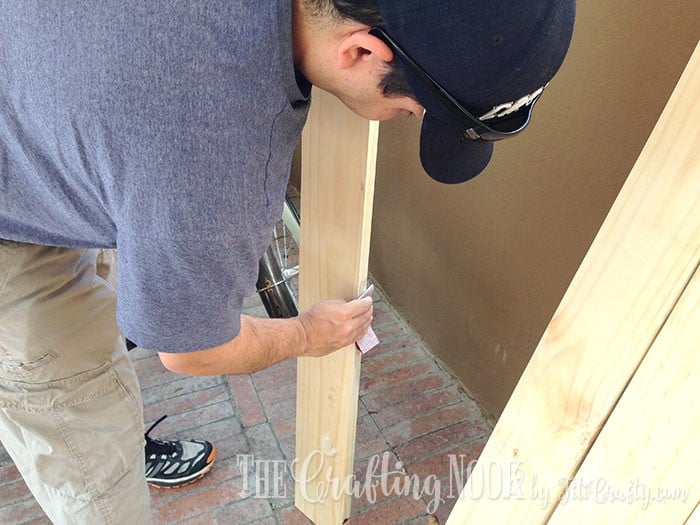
479,268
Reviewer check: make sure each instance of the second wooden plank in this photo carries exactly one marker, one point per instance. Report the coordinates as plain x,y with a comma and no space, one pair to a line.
639,263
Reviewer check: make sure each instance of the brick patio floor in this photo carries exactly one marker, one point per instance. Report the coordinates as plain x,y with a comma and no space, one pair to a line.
410,411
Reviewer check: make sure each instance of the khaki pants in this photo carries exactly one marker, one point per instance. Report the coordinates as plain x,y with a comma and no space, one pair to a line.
70,406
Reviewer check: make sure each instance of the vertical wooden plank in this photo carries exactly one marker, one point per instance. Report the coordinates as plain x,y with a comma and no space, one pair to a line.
640,261
338,166
643,467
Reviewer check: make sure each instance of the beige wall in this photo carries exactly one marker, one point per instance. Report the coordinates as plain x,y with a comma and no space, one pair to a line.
479,268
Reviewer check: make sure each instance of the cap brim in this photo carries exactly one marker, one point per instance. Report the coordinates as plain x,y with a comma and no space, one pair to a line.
448,159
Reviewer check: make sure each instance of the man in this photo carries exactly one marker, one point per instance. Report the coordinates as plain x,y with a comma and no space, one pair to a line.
167,132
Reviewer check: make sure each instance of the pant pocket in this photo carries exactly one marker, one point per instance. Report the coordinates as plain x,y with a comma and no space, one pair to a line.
12,366
79,436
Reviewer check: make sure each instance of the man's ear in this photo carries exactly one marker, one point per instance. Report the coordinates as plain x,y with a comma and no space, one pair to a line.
359,46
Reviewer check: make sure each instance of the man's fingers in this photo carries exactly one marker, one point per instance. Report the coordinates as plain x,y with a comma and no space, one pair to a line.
333,324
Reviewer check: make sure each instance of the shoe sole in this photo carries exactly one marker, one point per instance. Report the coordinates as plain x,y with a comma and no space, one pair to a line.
177,485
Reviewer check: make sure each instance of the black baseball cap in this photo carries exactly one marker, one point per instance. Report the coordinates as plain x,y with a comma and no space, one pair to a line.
477,67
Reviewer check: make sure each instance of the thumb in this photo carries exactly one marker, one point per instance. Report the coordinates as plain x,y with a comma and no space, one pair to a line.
358,307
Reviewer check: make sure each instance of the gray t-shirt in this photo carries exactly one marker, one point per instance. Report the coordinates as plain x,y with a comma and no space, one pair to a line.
164,129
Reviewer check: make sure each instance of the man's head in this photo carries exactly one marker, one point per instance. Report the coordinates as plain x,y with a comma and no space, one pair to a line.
334,50
477,67
393,82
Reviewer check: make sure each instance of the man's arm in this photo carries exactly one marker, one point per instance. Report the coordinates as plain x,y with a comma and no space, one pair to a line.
325,327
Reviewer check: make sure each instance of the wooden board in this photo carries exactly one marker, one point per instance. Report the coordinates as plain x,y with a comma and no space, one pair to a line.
636,268
643,467
337,185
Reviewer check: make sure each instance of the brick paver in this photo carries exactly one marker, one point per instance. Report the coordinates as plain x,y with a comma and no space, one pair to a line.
412,416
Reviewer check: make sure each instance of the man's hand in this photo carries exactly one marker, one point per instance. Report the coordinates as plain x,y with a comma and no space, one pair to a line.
324,328
330,325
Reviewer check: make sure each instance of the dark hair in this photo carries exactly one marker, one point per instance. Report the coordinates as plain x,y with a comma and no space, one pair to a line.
365,12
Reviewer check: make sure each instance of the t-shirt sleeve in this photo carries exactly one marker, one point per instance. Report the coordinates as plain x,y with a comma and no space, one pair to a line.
181,295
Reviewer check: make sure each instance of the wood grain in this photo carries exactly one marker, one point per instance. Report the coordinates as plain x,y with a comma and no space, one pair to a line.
338,167
643,467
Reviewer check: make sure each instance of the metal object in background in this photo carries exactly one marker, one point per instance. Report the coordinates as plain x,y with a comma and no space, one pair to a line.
273,274
273,287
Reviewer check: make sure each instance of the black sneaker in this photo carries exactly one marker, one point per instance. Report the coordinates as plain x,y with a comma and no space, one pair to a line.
173,464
